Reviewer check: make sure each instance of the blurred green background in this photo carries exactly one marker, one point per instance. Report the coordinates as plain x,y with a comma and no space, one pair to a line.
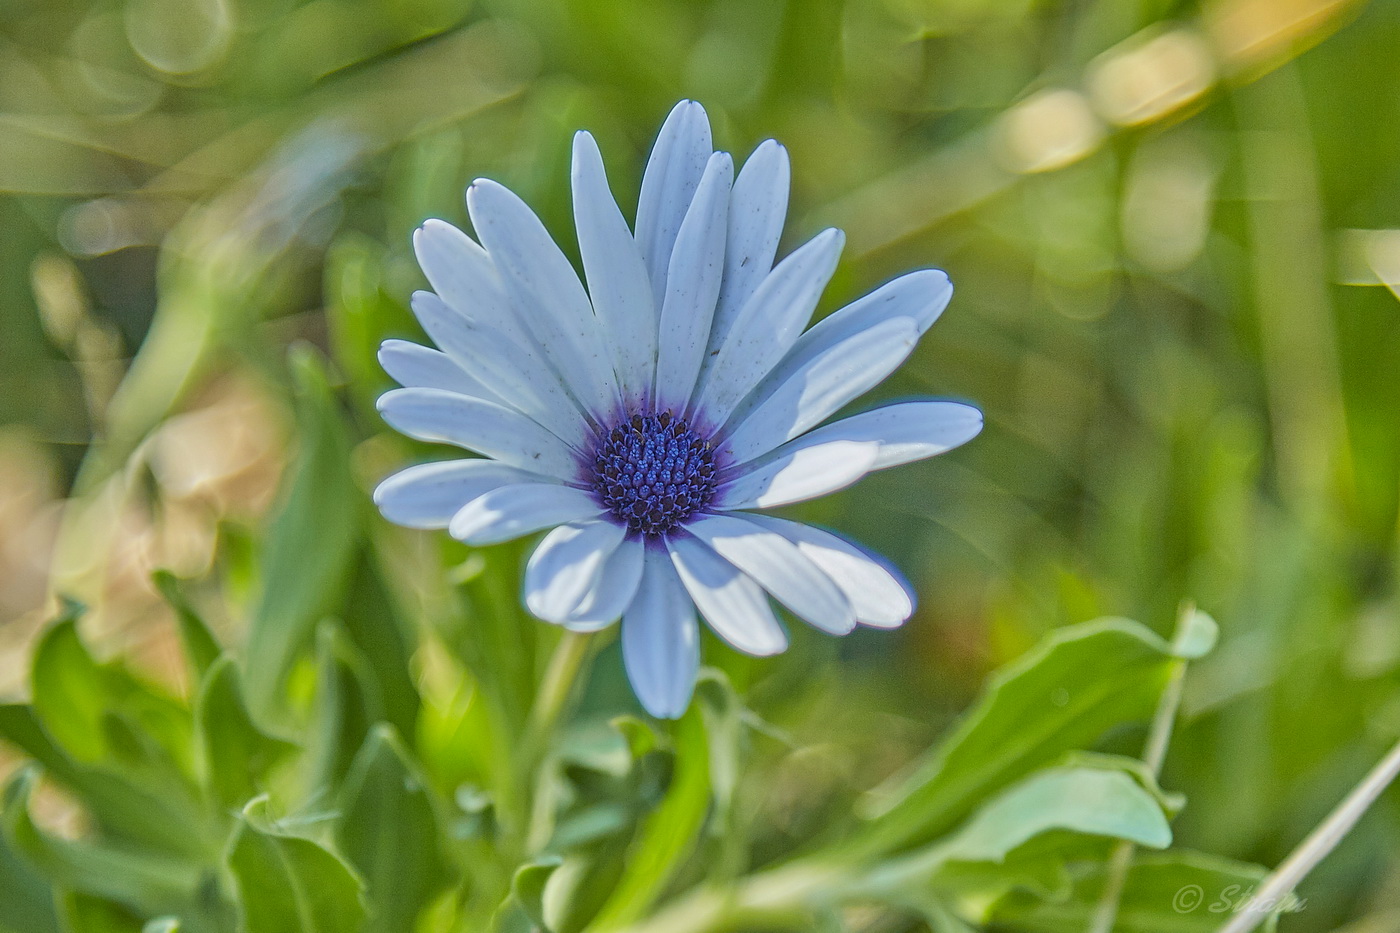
1168,226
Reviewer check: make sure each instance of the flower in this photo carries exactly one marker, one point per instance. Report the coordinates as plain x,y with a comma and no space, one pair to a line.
644,418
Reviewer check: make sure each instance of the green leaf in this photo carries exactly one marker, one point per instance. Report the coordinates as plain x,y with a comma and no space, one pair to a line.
1041,866
71,690
1170,803
1081,800
582,884
1181,891
163,925
1063,696
83,913
127,749
1106,803
724,730
528,884
668,834
384,638
126,809
312,541
640,735
235,754
27,906
512,918
494,635
201,648
358,313
140,880
942,920
76,698
288,884
347,705
1196,636
388,829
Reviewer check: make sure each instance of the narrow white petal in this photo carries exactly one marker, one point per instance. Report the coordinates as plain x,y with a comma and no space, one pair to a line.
880,595
546,292
512,511
803,473
463,275
415,366
429,494
521,378
618,284
565,568
735,606
673,173
905,431
820,387
769,324
692,287
485,334
918,297
757,209
485,427
660,640
780,568
612,592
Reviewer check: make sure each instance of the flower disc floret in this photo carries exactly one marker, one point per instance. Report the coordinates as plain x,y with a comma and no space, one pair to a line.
653,472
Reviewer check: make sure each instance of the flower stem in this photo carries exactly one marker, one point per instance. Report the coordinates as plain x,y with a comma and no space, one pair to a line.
559,681
1154,754
558,686
1320,842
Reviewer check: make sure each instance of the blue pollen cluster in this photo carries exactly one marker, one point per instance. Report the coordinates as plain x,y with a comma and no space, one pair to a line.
653,472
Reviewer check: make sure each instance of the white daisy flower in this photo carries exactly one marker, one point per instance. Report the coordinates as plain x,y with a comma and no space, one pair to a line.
645,417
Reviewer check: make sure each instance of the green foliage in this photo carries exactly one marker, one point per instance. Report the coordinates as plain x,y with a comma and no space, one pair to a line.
287,883
1064,695
335,824
235,755
1188,393
389,830
1184,891
312,544
201,648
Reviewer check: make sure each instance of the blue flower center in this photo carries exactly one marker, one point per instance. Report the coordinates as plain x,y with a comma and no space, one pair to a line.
653,472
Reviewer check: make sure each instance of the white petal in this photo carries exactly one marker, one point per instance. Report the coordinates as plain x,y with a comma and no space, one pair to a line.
415,366
612,592
512,511
428,495
880,595
546,292
673,173
803,473
769,324
521,379
618,284
918,297
692,287
485,427
565,568
757,208
735,606
463,276
660,640
485,323
821,386
780,568
905,431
